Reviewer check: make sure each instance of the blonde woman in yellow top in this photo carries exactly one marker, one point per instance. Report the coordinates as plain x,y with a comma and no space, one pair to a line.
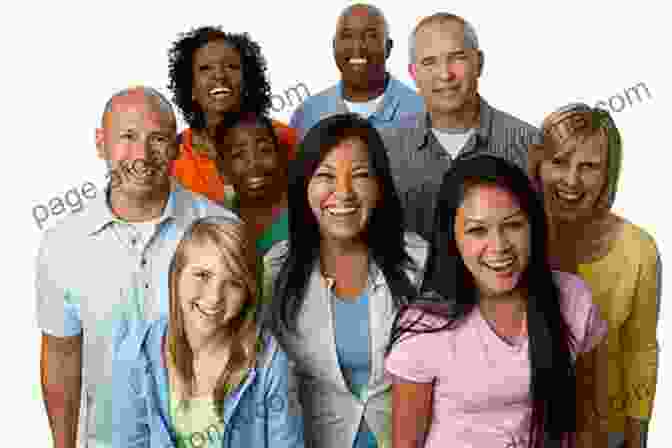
578,167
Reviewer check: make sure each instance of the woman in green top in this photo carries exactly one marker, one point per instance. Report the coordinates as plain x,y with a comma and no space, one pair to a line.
248,154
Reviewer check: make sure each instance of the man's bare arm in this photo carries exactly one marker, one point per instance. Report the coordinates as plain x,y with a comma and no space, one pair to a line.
61,365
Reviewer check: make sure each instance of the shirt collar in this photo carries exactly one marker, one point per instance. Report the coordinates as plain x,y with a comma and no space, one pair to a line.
386,109
424,126
101,215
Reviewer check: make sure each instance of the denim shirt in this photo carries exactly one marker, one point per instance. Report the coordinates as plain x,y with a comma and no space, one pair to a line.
259,413
398,100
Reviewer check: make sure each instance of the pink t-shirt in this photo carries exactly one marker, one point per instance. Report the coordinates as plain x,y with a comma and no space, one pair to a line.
482,383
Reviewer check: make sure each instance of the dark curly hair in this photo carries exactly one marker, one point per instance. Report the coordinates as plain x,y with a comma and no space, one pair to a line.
256,90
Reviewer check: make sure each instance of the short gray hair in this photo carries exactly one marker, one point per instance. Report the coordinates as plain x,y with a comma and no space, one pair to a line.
151,93
374,11
470,37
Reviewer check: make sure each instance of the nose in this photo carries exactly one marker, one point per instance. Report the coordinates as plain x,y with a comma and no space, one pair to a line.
343,182
446,70
500,241
571,176
213,293
219,72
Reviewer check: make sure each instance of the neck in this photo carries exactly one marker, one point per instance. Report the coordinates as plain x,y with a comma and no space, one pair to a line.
258,215
210,346
375,87
494,305
212,119
339,258
139,208
263,205
465,118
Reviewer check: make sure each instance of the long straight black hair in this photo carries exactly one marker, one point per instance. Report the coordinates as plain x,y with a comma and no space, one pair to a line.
449,291
384,234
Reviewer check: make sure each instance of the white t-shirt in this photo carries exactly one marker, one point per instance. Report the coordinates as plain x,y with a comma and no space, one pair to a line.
365,109
452,141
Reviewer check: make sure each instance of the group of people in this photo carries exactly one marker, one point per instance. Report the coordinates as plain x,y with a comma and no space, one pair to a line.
391,269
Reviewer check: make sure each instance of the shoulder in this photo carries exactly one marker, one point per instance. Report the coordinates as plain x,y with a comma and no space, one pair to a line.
200,204
402,90
320,97
73,230
505,120
642,243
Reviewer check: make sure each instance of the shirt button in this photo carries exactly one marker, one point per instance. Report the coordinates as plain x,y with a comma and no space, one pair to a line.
146,285
143,262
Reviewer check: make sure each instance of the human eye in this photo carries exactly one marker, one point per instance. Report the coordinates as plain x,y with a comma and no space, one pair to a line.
477,231
202,275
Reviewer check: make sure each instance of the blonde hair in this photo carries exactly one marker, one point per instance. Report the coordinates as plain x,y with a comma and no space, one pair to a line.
573,124
239,256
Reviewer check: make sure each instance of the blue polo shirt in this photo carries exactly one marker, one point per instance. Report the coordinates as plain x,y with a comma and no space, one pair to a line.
398,100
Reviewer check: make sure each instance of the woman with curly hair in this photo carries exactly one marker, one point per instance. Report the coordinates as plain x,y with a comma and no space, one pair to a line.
213,74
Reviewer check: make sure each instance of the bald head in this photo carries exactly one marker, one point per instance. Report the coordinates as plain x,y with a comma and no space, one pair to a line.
134,96
360,9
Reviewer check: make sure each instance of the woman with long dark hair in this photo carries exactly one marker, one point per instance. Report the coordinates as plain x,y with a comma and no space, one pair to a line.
339,279
485,357
214,74
578,167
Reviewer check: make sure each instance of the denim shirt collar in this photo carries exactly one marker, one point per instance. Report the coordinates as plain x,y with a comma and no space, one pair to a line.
386,109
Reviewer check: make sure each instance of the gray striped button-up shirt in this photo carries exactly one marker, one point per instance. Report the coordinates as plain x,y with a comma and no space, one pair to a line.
418,161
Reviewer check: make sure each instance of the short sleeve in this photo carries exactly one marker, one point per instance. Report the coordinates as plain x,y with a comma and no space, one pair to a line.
413,356
57,306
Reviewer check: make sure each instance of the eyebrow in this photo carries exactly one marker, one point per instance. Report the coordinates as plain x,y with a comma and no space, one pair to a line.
513,215
355,164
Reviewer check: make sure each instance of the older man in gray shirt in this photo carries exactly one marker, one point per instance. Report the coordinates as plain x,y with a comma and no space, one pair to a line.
446,62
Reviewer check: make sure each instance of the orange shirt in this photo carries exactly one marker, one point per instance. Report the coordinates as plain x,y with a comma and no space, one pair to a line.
198,173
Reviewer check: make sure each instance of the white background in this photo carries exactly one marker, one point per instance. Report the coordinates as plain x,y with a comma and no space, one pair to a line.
61,62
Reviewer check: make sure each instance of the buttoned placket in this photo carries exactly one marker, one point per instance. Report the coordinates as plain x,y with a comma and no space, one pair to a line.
141,258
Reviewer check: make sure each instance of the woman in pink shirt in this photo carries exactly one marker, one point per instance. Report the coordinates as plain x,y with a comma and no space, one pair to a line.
485,357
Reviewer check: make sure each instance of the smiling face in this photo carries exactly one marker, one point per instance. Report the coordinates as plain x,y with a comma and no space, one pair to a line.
359,48
343,191
209,293
253,163
574,177
217,78
138,142
493,238
446,72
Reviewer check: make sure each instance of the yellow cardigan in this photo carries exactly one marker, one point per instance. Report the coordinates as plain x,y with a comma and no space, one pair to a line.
626,286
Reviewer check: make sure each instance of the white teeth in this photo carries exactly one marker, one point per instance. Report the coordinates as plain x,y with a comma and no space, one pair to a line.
209,312
220,90
342,211
499,264
568,196
357,61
